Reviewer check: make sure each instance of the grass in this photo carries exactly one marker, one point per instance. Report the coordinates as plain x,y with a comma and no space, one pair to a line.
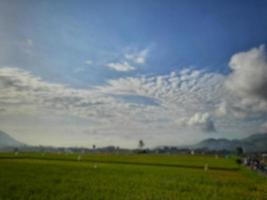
142,159
61,177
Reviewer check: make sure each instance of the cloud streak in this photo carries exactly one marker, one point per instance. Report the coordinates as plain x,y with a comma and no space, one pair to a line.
138,57
121,67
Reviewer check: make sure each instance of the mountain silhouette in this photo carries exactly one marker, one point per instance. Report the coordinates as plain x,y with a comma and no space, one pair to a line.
7,141
253,143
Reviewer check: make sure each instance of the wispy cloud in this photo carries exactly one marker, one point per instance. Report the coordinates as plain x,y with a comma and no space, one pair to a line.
138,57
169,92
121,67
129,58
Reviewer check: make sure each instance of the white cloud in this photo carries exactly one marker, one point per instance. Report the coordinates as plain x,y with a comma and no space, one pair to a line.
138,57
21,88
146,106
201,120
221,109
133,56
122,67
153,100
248,80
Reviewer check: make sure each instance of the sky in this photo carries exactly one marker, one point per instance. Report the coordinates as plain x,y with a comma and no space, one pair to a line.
78,73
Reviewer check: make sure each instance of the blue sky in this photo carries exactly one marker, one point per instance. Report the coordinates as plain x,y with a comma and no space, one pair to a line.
94,45
178,33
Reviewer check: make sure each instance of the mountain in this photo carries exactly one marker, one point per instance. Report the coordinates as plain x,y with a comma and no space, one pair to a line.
8,141
253,143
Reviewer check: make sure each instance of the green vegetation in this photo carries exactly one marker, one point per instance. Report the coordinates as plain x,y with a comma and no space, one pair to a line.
35,176
142,159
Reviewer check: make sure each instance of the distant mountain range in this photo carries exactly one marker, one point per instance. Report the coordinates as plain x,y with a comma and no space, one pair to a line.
8,141
253,143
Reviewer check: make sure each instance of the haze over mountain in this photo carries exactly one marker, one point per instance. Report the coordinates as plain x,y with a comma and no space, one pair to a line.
7,141
253,143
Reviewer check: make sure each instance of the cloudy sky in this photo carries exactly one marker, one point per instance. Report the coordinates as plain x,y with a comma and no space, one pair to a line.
113,72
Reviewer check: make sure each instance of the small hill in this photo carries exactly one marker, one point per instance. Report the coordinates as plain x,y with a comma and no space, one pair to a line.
8,141
253,143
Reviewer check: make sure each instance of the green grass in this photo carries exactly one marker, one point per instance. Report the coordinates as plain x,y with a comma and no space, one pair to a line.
196,161
62,177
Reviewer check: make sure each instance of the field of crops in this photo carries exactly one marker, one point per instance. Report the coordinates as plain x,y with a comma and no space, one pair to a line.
122,177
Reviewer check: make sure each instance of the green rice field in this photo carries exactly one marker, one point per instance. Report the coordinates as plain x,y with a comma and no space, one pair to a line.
39,176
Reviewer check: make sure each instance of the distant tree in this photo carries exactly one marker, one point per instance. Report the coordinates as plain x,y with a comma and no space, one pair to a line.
93,146
141,144
239,151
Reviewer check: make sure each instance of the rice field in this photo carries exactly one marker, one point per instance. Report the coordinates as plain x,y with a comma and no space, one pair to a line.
36,176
